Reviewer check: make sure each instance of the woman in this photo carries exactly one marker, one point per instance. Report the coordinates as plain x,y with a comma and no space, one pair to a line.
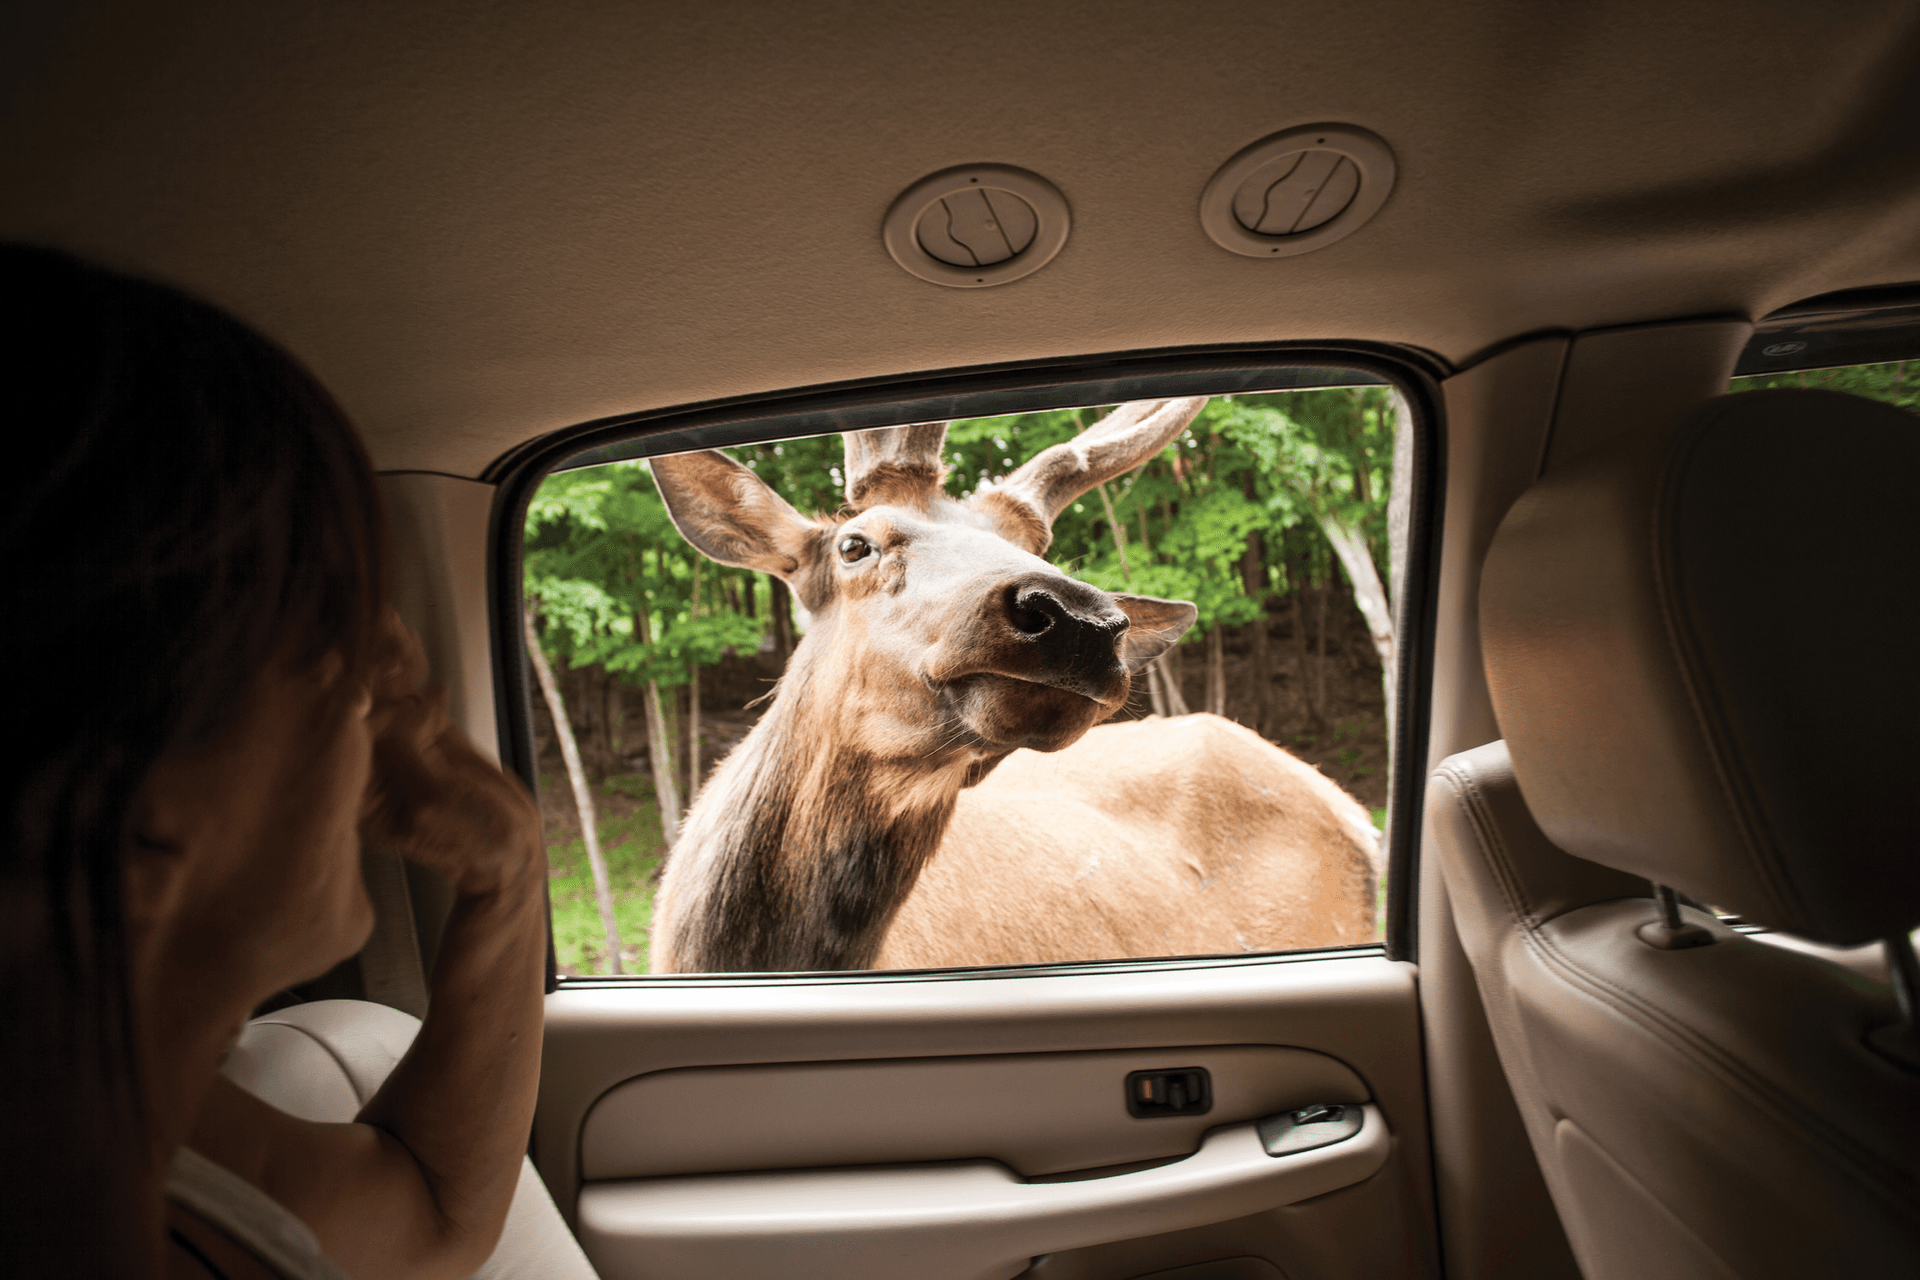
210,702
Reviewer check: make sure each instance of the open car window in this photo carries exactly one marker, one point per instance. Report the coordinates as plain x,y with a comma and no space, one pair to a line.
1894,382
752,750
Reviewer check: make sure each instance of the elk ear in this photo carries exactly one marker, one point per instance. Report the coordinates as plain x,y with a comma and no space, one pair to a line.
897,465
730,515
1156,625
1112,446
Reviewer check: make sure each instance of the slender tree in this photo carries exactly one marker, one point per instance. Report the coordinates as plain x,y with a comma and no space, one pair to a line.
693,703
1162,691
1328,453
659,748
1216,672
582,794
1253,581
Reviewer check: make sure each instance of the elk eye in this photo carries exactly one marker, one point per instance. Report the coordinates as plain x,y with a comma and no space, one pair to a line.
854,547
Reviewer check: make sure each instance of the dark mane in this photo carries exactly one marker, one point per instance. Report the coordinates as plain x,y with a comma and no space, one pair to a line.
803,868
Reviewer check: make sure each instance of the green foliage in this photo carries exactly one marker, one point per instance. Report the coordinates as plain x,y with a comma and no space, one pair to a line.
1893,383
601,553
1270,465
806,472
1325,454
1260,471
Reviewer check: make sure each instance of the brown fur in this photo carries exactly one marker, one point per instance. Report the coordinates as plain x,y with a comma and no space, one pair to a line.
895,484
1190,836
1016,519
803,844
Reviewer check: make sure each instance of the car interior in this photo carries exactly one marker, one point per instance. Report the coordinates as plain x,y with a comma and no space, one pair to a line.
1643,999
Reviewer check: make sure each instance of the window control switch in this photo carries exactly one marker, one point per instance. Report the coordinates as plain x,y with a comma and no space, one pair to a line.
1173,1091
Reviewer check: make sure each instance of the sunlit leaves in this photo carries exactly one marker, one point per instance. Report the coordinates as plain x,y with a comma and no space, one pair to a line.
601,549
583,609
1275,464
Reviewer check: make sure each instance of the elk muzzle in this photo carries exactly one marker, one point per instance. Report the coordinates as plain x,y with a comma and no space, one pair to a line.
1063,634
1036,665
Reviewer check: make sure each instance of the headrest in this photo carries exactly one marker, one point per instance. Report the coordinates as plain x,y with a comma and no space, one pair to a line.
1700,642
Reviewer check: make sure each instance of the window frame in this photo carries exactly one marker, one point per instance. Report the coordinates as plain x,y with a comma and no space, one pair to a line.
1026,386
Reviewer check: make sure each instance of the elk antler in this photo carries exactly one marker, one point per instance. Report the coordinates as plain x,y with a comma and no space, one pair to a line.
1116,444
894,464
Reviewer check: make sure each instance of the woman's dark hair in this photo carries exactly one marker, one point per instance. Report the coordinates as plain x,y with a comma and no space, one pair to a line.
181,505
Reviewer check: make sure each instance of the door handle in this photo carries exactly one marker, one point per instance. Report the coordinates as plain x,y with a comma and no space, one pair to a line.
965,1220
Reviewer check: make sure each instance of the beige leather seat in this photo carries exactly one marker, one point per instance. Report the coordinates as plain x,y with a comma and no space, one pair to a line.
1700,645
326,1059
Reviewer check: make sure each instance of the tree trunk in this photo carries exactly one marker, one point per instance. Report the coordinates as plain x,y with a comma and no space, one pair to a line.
1154,692
1118,530
1351,546
1253,581
1399,517
1259,674
693,705
1303,652
660,758
693,733
659,748
582,796
567,687
1169,664
1162,688
1399,499
611,717
671,722
781,611
1320,667
1216,672
594,738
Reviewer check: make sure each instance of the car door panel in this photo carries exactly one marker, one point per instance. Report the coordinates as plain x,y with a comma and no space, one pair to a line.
1036,1113
764,1127
963,1220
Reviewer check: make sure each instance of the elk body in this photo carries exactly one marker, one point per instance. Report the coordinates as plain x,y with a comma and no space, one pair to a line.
928,787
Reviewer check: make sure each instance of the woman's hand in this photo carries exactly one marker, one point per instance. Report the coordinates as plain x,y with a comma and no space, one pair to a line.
420,1186
433,797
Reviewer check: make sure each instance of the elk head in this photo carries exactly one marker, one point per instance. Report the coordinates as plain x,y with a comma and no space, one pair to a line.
938,631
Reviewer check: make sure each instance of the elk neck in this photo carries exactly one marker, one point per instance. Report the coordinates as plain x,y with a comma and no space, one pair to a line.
807,840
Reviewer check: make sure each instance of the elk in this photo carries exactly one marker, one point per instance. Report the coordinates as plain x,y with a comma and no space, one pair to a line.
928,787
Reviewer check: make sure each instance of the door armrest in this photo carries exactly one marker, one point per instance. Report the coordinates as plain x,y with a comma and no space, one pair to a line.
964,1220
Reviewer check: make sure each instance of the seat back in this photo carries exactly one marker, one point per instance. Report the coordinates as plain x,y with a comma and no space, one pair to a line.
1657,622
325,1060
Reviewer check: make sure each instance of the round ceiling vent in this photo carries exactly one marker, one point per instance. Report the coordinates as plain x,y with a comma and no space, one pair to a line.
978,225
1298,190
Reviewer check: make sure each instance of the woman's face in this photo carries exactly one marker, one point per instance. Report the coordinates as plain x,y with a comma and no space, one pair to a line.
245,878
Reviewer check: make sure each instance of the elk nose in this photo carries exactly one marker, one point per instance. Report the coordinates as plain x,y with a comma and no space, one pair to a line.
1073,617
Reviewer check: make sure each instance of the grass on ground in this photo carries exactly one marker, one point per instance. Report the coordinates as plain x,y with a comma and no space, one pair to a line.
633,848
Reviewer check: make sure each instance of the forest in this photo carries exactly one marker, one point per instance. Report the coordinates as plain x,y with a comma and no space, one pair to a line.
1271,513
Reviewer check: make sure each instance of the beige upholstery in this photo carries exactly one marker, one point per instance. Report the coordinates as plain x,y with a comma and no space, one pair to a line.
1730,1109
324,1060
1698,645
1706,1112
